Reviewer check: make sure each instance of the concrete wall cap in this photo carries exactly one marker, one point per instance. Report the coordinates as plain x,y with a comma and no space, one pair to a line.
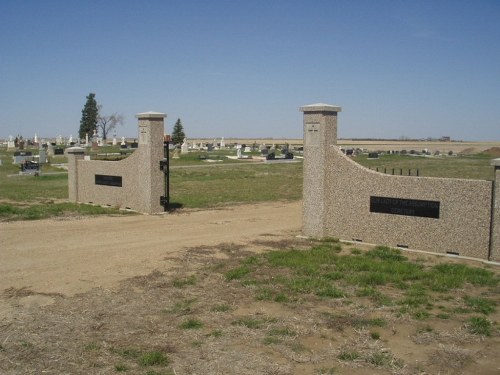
151,114
320,107
495,162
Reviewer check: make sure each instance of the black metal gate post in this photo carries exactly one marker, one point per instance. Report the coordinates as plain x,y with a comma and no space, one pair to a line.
165,167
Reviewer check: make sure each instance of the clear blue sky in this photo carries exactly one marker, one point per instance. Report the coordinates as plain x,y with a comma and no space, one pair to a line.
243,68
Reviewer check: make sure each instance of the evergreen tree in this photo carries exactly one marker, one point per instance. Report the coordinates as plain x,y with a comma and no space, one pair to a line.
178,133
90,114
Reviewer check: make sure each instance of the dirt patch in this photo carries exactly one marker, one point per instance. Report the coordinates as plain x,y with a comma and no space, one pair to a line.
493,152
163,304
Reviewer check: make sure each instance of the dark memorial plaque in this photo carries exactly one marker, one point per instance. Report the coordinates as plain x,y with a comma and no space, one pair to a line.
407,207
101,179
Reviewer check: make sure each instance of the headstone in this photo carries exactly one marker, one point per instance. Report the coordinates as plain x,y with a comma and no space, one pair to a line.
373,155
10,143
35,139
184,147
177,154
86,139
247,149
59,151
238,152
50,149
264,152
70,140
222,143
59,140
123,142
42,156
210,147
134,144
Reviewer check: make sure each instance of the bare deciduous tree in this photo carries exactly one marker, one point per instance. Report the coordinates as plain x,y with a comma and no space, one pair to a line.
107,123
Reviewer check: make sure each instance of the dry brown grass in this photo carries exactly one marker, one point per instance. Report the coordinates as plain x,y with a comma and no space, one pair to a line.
105,329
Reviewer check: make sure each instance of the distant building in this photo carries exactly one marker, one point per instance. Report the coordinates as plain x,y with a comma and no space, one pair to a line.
445,138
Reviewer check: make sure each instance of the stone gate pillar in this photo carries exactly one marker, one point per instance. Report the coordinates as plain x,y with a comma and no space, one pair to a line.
150,184
74,154
495,214
320,132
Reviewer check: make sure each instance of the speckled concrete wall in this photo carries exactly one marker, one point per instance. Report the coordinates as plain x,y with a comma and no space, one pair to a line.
337,193
142,179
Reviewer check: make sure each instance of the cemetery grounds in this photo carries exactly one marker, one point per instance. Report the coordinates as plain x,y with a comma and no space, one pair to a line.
225,285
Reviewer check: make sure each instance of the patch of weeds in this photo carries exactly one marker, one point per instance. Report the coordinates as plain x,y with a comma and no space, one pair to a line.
376,296
217,333
271,340
348,355
297,347
375,335
443,316
481,305
196,344
221,308
424,329
264,294
380,359
378,322
285,331
420,315
479,325
330,291
446,276
386,253
237,273
26,345
252,261
153,359
2,349
92,346
182,307
461,310
356,251
248,322
249,283
282,298
181,283
192,324
121,367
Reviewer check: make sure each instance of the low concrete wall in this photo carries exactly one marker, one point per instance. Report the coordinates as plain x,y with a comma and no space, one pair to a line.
135,182
346,200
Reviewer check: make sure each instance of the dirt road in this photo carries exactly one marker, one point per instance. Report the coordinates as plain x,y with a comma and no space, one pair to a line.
73,256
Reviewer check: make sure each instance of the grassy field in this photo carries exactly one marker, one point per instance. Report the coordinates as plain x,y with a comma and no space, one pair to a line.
196,183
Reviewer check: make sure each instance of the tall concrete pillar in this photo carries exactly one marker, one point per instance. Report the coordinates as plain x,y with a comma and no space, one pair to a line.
495,214
150,186
320,132
74,154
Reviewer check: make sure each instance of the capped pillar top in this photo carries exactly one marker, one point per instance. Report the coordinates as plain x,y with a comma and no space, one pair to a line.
150,114
320,107
495,163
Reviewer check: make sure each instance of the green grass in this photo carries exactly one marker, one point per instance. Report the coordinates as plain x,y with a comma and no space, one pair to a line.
14,212
153,359
471,167
192,324
323,271
197,184
479,325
